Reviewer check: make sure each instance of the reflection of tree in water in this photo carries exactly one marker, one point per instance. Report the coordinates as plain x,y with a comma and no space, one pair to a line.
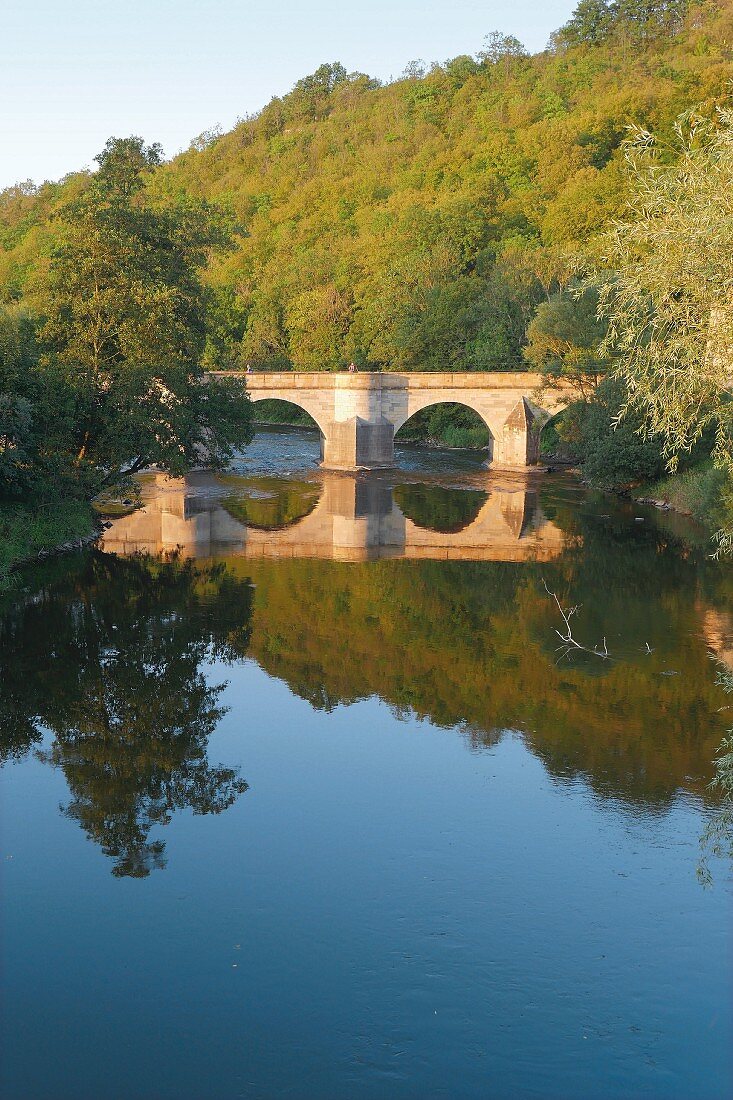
437,508
717,839
271,503
110,661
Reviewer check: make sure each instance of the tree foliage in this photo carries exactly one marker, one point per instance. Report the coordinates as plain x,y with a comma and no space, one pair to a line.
564,341
597,21
614,453
370,211
126,324
669,296
17,357
113,379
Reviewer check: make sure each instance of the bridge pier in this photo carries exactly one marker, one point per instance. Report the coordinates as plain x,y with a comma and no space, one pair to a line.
517,444
358,444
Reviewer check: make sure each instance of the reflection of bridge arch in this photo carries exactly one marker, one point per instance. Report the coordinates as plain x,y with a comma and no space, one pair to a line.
354,519
273,504
436,508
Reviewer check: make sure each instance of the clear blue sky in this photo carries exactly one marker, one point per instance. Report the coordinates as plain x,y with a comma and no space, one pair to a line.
75,72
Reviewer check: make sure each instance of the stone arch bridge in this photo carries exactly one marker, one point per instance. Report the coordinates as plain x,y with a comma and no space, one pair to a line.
359,414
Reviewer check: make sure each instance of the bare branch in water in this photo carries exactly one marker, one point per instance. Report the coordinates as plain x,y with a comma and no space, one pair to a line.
569,642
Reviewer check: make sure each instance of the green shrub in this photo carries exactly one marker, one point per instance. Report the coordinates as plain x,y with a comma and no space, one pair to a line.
613,454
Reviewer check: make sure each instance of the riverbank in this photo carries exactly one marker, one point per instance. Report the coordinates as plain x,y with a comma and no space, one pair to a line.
696,492
29,532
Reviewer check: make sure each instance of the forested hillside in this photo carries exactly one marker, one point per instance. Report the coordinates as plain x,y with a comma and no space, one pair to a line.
417,225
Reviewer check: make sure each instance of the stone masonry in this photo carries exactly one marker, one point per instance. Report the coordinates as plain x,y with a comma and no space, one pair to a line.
358,414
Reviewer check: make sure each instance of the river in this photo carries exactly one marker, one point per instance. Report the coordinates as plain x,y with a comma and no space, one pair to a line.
303,794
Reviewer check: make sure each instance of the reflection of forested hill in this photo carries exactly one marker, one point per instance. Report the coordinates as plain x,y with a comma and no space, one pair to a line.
112,654
475,644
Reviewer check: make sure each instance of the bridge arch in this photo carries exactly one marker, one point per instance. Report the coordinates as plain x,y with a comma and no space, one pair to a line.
422,404
300,405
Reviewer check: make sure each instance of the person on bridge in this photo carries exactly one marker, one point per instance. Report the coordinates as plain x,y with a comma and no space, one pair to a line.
249,369
352,367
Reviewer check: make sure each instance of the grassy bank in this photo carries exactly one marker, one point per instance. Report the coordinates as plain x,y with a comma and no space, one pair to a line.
697,492
26,530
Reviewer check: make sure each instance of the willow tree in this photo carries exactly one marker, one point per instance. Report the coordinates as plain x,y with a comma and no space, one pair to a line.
668,300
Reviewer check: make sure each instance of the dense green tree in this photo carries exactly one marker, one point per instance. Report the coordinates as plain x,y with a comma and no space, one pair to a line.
310,96
590,23
614,451
596,21
17,355
126,326
564,340
501,48
37,415
264,341
16,419
317,322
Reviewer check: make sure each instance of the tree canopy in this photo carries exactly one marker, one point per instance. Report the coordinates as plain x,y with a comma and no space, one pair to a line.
417,224
669,295
111,380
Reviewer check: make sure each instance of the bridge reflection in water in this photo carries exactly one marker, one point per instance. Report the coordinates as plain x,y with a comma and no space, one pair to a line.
353,519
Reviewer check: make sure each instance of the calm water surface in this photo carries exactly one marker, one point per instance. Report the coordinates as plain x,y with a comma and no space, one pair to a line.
301,799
